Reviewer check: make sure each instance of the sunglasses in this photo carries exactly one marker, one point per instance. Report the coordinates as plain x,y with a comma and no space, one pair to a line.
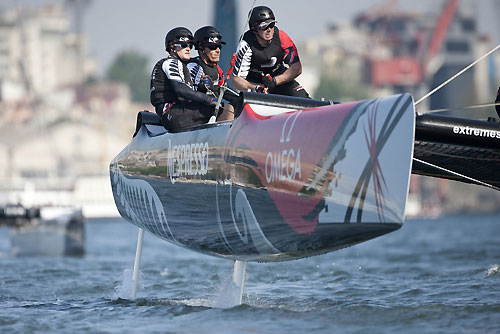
270,25
214,46
184,45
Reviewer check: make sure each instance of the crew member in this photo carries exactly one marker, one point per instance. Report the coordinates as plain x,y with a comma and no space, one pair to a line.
208,42
266,58
497,107
173,93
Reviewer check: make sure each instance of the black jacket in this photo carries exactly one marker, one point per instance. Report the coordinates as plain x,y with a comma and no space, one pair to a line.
171,81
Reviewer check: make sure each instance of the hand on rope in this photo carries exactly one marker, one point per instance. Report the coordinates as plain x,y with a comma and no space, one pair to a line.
206,81
205,86
215,101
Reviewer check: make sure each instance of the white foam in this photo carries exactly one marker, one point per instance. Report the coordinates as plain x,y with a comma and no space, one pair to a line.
165,272
228,294
493,270
125,289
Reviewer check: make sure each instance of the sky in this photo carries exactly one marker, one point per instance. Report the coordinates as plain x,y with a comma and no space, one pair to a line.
116,25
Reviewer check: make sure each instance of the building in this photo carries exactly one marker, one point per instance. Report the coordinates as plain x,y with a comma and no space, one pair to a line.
386,50
39,53
458,49
338,53
98,123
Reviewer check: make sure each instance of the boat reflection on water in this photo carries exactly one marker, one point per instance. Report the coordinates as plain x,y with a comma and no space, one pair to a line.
44,231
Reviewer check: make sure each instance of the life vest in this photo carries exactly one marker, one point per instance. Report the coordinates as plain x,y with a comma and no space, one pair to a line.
214,72
164,71
159,88
253,59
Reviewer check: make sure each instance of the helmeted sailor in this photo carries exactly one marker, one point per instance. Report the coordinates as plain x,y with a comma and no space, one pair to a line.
173,90
266,58
208,41
497,107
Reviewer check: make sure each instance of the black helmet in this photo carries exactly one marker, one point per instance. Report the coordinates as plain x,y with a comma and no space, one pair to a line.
260,14
207,35
179,34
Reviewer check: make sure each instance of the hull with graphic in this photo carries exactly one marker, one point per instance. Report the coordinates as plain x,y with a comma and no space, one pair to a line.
275,184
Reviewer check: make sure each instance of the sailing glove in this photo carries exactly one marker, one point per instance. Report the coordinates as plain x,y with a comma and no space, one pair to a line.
213,102
205,80
269,81
204,85
259,88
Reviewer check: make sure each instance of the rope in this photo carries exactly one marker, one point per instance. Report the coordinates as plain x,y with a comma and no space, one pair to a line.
247,22
457,75
477,106
458,174
224,87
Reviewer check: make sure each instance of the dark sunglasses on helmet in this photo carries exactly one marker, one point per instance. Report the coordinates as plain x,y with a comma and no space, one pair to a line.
184,45
265,27
214,46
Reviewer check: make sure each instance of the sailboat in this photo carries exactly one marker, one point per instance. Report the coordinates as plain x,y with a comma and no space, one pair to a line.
291,178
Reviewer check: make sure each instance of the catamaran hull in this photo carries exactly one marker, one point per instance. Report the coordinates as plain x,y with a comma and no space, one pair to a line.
272,186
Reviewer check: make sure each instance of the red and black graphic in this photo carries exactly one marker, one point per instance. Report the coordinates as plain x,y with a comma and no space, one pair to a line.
290,53
372,167
283,162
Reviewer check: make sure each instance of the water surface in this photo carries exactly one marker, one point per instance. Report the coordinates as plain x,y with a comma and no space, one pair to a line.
431,276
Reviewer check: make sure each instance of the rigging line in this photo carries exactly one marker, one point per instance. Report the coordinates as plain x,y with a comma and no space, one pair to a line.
225,87
457,174
247,22
457,75
477,106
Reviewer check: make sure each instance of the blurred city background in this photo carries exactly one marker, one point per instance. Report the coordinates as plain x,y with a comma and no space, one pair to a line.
74,74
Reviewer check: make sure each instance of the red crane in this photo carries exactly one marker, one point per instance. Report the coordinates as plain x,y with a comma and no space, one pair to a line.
406,67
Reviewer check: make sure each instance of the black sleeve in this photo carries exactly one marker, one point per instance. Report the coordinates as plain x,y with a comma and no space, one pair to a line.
236,100
185,93
231,97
